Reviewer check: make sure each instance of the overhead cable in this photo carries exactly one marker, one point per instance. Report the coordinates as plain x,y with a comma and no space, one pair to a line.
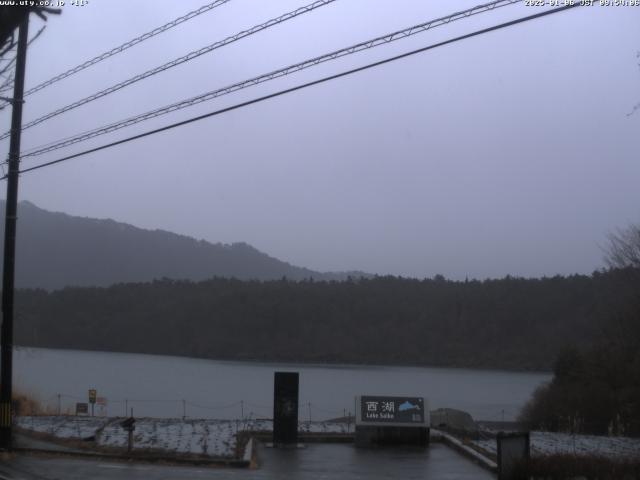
178,61
305,85
371,43
127,45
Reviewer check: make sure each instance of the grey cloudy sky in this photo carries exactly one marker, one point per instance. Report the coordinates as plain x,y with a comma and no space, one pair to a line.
510,153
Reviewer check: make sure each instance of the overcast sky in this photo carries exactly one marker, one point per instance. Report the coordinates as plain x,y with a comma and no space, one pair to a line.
509,153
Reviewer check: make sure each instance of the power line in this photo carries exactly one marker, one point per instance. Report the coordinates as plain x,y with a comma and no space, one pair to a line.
10,43
8,66
127,45
371,43
178,61
305,85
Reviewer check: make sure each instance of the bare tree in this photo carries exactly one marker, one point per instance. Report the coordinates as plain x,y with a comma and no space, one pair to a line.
624,248
636,107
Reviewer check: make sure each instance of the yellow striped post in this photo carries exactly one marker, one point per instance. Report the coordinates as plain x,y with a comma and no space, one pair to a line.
5,414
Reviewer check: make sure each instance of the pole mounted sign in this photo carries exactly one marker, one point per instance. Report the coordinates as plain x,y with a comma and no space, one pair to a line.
92,399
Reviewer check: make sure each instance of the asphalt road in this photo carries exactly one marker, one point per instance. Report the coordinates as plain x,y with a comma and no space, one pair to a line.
320,461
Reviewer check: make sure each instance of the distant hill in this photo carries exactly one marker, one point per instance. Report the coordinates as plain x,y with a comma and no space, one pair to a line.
55,250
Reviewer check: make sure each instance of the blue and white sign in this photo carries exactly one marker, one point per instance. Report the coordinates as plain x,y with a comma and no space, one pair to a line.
391,411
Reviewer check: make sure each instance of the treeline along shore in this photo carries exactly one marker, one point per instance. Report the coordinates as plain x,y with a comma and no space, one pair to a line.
511,323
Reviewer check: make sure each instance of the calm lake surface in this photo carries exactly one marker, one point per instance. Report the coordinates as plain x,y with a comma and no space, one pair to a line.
164,386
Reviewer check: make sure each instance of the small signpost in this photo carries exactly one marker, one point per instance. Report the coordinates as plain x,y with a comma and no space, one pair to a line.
102,406
92,398
129,425
391,420
82,408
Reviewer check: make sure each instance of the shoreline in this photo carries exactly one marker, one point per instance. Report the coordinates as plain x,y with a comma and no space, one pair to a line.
296,363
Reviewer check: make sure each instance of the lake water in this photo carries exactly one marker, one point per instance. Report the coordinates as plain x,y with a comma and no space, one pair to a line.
164,386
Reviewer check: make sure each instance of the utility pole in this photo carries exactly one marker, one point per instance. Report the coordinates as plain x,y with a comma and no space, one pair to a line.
8,268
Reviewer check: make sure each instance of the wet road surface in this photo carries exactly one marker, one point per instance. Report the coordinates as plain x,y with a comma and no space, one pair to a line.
317,461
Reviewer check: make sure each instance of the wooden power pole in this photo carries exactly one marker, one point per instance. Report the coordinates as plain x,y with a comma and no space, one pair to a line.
8,268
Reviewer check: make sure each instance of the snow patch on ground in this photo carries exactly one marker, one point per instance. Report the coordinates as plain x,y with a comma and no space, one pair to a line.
546,443
78,428
213,438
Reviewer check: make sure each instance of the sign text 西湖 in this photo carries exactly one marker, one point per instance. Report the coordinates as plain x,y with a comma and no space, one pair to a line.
397,410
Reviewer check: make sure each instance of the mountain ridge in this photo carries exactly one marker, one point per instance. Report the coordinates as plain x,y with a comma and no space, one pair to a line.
55,250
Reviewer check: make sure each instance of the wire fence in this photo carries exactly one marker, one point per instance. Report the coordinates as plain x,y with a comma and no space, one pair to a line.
244,415
67,404
559,443
316,418
64,403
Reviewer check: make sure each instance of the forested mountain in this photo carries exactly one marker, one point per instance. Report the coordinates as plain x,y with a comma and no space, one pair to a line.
55,250
596,389
510,323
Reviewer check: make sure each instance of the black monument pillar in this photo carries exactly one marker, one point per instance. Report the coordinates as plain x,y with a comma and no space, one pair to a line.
285,408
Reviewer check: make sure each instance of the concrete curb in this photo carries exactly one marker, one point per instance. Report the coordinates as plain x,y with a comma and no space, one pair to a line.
140,457
248,451
469,452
